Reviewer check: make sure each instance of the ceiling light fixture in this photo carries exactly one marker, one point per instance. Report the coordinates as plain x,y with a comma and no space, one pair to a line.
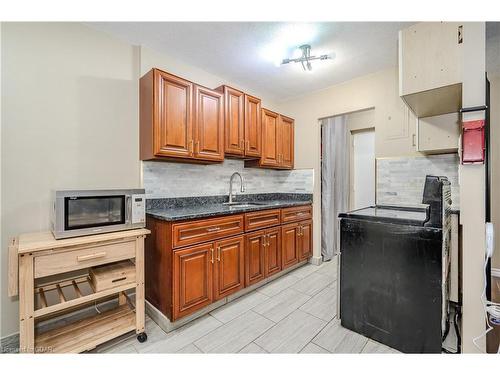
306,58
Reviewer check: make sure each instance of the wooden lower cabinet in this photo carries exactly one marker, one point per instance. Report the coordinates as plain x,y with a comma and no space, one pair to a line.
191,264
289,245
254,257
205,273
229,266
192,276
272,252
262,255
296,242
305,240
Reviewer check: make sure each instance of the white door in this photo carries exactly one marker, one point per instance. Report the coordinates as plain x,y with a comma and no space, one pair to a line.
363,169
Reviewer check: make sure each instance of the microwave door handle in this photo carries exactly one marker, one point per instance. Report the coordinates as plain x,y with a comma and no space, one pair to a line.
128,209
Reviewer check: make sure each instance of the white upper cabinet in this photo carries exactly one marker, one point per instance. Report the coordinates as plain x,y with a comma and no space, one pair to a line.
438,134
430,67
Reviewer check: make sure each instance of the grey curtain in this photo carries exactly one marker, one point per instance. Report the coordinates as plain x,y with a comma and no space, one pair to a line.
334,181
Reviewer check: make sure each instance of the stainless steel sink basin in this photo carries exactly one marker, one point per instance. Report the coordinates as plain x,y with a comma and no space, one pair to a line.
242,204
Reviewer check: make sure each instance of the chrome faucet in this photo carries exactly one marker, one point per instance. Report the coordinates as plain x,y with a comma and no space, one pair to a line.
231,186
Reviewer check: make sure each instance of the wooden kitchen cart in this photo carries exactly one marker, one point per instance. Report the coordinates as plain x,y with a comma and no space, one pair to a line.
53,277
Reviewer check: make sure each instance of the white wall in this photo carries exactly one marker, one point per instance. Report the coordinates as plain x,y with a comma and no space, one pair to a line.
378,91
472,195
69,120
495,164
151,59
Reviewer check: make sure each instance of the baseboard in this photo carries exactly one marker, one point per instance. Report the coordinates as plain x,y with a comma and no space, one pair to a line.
495,272
316,260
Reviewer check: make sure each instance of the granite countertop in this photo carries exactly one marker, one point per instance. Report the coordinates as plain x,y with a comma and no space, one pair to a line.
176,209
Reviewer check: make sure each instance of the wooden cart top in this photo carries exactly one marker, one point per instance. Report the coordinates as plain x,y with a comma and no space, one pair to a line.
31,242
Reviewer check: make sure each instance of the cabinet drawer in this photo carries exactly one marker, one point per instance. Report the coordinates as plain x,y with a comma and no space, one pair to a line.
60,262
198,231
262,219
112,275
292,214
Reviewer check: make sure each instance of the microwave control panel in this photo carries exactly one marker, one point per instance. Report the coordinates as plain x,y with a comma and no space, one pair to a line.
138,208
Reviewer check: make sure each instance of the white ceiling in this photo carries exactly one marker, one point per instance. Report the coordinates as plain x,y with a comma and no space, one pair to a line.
246,52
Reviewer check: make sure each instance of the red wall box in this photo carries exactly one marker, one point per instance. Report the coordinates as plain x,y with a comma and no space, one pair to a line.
473,142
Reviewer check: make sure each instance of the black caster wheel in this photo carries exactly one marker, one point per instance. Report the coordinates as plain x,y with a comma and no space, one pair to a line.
142,337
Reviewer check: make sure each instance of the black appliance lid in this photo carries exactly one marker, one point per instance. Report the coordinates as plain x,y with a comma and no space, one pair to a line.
409,215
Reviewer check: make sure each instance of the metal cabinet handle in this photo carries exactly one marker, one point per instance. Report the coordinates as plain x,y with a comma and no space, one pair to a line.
83,258
197,147
242,144
264,240
218,254
212,251
213,229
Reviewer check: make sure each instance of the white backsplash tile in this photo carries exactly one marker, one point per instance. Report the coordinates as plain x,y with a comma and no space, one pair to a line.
401,180
171,180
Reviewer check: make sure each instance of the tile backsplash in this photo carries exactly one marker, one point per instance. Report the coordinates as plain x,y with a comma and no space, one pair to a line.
401,180
172,180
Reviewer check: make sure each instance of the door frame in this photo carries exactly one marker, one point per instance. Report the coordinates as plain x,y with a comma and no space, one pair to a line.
352,133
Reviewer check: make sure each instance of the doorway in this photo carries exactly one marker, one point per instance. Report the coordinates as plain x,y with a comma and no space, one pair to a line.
362,169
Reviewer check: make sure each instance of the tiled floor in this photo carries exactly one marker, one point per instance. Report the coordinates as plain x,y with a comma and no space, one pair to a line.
293,314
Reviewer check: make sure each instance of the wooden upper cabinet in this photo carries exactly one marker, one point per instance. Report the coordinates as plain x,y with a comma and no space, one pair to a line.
277,137
270,135
234,105
286,142
229,266
166,116
242,123
179,119
208,124
192,276
253,126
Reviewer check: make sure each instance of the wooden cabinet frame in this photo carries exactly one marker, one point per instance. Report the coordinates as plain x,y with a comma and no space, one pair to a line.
179,120
277,142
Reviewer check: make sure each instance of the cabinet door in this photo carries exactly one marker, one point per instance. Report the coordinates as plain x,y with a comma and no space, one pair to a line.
192,274
289,245
254,257
305,240
272,251
253,126
234,126
229,269
285,142
172,129
270,136
208,125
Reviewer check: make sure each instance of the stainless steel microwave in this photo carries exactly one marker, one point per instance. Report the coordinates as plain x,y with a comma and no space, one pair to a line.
84,212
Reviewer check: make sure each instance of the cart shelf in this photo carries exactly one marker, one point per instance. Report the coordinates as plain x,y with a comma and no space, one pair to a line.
86,334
